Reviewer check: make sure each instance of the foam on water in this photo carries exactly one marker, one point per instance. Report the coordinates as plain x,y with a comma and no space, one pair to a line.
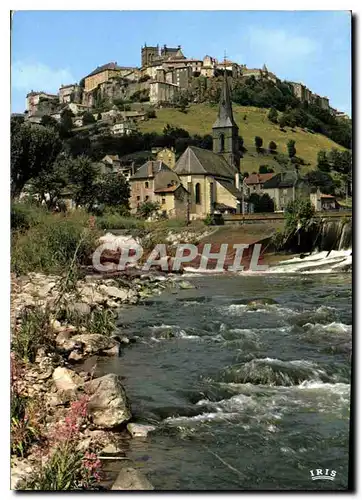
332,261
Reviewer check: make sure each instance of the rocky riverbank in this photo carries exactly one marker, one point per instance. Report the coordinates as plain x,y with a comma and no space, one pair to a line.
77,322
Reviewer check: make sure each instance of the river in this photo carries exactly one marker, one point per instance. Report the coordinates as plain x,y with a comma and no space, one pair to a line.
245,397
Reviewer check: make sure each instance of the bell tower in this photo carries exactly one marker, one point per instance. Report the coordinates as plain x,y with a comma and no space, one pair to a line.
225,132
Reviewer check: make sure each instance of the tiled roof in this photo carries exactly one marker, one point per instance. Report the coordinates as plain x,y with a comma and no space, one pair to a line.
143,171
168,189
258,178
282,180
99,69
202,161
330,196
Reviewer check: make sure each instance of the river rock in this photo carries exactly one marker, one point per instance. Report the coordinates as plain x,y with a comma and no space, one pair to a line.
139,430
113,351
66,380
108,405
185,285
111,450
131,479
19,474
113,291
261,302
94,343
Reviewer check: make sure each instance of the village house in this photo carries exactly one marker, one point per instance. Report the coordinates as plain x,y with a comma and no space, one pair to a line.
255,182
161,92
113,164
322,201
41,103
100,75
284,188
70,93
122,128
156,182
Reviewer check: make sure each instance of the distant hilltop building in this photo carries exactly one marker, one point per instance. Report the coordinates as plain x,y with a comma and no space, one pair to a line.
164,74
302,93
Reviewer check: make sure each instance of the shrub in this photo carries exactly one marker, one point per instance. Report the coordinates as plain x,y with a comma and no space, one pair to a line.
49,247
117,221
101,321
25,215
67,468
272,147
258,142
147,209
33,333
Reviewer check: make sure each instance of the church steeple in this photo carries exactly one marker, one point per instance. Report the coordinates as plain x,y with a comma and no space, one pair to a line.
225,131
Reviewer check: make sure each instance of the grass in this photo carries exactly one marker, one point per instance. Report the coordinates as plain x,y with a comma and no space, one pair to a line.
101,321
34,332
200,118
47,242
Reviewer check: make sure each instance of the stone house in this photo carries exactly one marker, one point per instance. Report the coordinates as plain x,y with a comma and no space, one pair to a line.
285,187
41,102
322,201
161,92
121,128
255,182
100,75
70,93
154,181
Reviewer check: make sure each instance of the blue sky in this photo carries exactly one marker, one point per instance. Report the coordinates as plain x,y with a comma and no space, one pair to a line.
50,48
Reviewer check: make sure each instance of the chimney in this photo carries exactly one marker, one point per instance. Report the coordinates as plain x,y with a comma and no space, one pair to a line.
150,169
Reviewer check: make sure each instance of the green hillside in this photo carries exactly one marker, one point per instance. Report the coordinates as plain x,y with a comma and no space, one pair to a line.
200,118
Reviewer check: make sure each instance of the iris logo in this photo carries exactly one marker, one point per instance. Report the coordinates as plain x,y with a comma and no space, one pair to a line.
327,474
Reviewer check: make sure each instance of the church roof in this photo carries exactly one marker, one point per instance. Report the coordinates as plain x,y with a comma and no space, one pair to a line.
225,116
202,161
231,188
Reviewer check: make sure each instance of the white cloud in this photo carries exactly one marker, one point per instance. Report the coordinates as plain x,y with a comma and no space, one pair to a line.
279,45
38,76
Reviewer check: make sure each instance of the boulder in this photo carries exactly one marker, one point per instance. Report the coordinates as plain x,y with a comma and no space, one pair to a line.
66,380
139,430
111,450
131,479
113,351
94,343
108,405
113,291
185,285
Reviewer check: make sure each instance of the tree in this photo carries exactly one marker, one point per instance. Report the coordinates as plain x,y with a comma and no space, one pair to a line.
112,190
264,169
282,121
272,147
298,213
147,208
321,180
88,118
50,183
33,149
258,142
262,203
66,123
291,148
240,143
49,121
273,115
82,174
323,162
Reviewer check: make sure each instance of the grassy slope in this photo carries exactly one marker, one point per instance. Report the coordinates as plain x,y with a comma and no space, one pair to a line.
200,118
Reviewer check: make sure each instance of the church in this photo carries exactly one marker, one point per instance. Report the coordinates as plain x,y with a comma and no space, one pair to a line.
212,179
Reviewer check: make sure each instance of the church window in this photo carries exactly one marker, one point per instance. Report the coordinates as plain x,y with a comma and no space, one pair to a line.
222,143
198,194
146,184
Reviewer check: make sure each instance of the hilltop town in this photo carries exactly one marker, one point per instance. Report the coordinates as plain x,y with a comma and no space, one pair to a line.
166,77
